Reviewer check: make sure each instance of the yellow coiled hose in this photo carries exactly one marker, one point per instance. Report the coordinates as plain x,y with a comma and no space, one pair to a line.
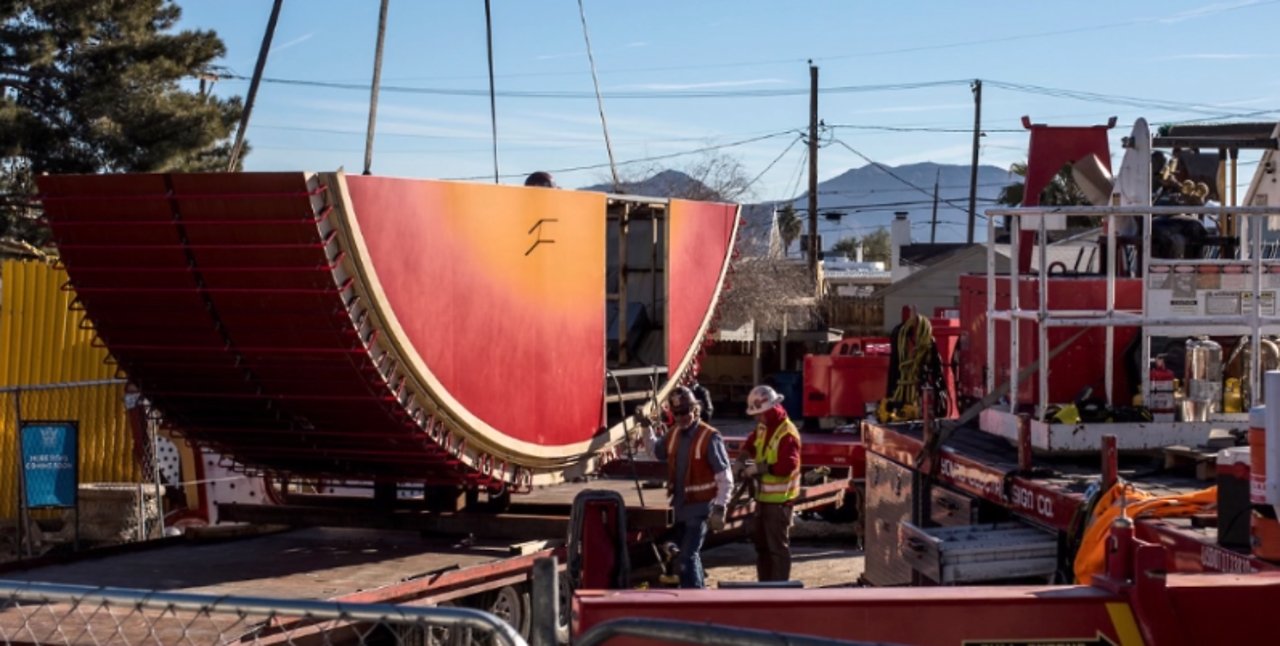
913,346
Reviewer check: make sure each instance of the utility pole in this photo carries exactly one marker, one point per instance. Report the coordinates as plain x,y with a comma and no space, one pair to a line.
813,171
933,228
973,165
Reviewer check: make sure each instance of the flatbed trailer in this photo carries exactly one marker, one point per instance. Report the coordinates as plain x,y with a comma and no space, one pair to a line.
344,549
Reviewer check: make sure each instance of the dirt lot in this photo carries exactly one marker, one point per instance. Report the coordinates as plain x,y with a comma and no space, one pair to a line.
823,555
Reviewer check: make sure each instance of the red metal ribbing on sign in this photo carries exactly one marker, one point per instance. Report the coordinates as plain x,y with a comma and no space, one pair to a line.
225,299
51,198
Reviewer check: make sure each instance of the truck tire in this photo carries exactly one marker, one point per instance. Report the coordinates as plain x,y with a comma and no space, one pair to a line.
512,604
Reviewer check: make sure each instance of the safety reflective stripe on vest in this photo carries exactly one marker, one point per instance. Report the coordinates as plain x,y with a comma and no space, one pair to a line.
775,489
694,491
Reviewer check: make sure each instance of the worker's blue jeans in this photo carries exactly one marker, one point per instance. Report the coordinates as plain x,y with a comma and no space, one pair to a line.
692,532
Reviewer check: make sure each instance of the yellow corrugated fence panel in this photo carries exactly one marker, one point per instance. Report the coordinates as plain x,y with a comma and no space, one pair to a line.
41,342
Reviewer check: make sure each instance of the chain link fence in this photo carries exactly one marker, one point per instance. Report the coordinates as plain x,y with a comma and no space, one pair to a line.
118,499
42,613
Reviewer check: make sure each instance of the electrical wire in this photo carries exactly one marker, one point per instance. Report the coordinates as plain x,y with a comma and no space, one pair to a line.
921,129
775,161
653,158
887,171
557,94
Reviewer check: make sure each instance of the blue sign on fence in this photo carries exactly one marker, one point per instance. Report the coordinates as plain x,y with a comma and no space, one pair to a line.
49,461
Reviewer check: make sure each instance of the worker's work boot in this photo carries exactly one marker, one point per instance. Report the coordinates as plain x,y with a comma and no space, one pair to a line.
670,564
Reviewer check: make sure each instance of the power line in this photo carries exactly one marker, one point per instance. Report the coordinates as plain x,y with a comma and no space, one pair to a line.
565,94
775,160
1209,111
920,128
894,175
641,160
1094,97
897,190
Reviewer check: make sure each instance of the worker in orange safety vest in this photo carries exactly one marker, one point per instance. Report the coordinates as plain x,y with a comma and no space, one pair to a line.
698,479
771,455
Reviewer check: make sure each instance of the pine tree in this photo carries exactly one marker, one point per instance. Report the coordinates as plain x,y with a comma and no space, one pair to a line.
90,86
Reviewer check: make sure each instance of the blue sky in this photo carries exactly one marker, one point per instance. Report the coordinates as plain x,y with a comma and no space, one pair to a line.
883,66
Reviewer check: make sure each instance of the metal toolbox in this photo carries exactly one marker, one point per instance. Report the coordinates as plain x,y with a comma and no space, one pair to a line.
888,503
949,509
978,552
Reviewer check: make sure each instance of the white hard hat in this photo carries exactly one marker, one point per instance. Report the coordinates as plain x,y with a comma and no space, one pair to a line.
761,399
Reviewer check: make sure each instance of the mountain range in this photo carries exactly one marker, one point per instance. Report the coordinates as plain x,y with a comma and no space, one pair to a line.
861,200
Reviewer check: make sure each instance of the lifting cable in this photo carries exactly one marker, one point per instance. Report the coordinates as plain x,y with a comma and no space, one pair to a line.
234,158
595,80
373,87
493,103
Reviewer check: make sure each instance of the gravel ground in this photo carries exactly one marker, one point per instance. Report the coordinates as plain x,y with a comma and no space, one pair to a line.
823,555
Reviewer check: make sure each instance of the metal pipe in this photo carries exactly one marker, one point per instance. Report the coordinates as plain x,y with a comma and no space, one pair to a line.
1015,284
1042,331
1110,462
666,630
1109,343
85,596
1024,443
63,386
1144,373
990,368
1255,369
24,514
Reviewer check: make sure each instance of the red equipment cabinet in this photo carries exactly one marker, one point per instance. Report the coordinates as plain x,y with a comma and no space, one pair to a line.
842,383
1076,367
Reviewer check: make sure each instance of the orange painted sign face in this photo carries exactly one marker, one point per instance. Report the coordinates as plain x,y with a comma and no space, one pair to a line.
500,291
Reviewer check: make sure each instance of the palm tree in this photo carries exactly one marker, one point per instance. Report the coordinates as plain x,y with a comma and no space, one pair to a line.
1062,191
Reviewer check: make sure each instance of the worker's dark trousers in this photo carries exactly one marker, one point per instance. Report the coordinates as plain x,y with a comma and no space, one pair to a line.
771,532
692,533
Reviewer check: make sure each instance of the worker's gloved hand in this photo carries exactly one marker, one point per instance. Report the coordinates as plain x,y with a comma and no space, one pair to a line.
716,520
748,471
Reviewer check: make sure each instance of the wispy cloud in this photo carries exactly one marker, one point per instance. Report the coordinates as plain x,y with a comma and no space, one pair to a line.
296,41
670,87
1206,10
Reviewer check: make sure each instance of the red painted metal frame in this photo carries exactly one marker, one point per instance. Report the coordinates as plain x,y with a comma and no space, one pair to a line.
924,616
1189,552
1025,496
1136,602
1074,368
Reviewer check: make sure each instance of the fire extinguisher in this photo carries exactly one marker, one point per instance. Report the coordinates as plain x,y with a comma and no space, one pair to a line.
1161,400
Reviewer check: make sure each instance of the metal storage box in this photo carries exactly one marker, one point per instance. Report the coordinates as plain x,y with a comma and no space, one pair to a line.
973,553
888,505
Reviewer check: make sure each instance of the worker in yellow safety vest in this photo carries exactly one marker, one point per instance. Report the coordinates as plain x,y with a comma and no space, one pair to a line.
771,455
